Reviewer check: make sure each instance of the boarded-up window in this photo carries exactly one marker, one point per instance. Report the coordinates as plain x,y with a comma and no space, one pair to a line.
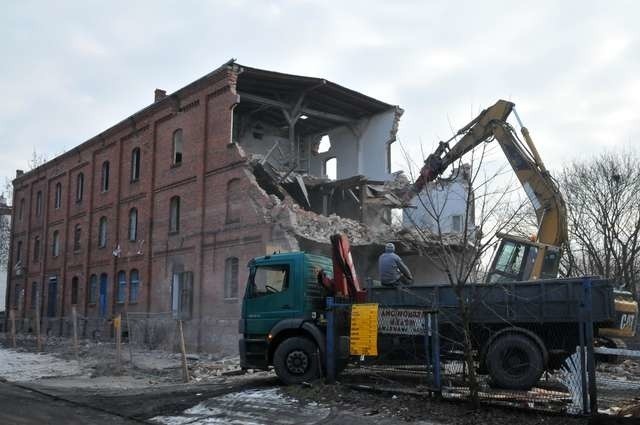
74,290
231,278
134,288
234,201
122,286
182,295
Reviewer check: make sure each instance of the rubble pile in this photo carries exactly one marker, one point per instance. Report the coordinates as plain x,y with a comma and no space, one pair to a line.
628,370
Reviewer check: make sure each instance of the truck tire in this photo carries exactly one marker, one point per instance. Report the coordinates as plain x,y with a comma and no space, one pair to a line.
296,360
514,362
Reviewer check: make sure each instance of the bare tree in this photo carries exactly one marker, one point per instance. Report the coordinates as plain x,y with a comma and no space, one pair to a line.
491,203
603,199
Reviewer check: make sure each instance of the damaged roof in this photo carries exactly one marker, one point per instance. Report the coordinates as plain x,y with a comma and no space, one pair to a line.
326,105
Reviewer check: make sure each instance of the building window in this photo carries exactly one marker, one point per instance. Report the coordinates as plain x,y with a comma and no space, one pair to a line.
182,294
77,235
105,176
36,249
16,295
134,286
39,203
79,187
21,210
177,147
74,290
34,294
231,278
234,201
55,246
174,215
19,252
122,286
135,165
133,224
102,232
330,168
93,289
58,196
456,223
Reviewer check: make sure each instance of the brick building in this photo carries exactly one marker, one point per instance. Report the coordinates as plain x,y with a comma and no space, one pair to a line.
159,214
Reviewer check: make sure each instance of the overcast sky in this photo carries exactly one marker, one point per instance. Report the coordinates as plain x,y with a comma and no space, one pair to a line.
72,69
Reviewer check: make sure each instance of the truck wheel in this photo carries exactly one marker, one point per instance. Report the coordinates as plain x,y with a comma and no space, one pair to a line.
514,362
295,360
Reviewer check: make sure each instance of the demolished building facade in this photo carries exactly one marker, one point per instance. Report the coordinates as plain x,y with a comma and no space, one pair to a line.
158,215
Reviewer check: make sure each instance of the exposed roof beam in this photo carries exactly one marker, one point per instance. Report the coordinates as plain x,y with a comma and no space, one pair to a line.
306,111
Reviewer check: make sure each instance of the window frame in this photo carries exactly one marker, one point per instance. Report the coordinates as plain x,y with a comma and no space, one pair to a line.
174,215
39,203
55,244
134,286
133,225
102,232
231,285
104,180
79,187
57,201
135,165
121,280
177,151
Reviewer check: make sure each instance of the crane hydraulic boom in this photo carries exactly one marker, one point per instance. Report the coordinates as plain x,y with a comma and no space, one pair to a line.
542,256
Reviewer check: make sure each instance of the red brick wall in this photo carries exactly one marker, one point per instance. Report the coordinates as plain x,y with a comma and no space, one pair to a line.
204,112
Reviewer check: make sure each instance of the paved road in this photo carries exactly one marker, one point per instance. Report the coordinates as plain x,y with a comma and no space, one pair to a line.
20,406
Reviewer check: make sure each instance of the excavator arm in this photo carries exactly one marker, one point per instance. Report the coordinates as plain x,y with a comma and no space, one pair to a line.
523,157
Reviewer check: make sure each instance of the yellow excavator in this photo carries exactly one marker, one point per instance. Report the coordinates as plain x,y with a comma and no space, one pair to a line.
517,258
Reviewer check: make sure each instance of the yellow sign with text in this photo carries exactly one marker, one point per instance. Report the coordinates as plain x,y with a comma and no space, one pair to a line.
364,330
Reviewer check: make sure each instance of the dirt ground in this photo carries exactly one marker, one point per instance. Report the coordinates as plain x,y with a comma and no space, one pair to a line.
151,389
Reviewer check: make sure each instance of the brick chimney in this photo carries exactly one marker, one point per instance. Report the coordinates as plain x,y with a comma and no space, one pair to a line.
19,173
159,94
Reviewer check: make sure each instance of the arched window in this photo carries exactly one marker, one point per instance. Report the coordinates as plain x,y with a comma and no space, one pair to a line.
39,203
55,246
36,249
135,165
58,196
77,235
105,176
231,278
79,187
174,215
74,290
177,147
133,224
234,201
122,286
102,232
93,289
134,286
330,168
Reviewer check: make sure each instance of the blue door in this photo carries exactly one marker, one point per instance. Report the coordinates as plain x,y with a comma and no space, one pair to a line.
52,298
103,295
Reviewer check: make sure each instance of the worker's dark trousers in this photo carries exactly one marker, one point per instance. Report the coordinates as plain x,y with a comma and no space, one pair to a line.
402,280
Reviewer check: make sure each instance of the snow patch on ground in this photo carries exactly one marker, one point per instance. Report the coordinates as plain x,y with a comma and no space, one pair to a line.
16,366
251,407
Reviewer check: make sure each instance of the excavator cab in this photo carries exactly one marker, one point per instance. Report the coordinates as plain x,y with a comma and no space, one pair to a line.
518,259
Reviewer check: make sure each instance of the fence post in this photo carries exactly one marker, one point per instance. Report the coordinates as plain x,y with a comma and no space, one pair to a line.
117,324
74,317
130,338
435,346
185,368
12,319
330,348
38,340
591,364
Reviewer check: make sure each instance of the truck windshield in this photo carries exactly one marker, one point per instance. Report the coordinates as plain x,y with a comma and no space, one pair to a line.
269,279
